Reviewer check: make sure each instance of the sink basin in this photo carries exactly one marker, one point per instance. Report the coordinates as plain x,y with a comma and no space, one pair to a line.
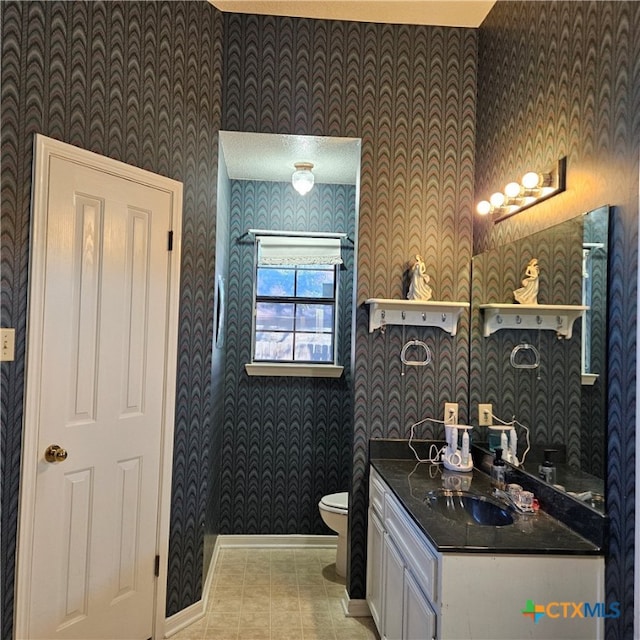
469,508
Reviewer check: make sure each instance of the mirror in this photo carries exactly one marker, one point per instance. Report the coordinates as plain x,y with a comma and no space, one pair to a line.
562,400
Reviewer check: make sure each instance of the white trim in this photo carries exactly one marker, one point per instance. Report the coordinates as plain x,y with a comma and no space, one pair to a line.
355,608
184,618
44,150
286,541
293,370
196,611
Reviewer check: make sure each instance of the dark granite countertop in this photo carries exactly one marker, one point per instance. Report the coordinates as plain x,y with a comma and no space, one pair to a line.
530,533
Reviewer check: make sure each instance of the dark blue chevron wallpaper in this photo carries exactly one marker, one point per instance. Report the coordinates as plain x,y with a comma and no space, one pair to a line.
286,440
546,399
145,82
563,78
409,93
593,446
139,82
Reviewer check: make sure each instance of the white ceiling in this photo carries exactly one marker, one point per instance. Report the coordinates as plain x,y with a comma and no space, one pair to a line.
270,157
447,13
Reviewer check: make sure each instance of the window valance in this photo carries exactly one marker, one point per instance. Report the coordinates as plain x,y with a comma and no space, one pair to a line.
298,250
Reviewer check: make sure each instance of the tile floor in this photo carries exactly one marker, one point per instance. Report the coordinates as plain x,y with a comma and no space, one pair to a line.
277,594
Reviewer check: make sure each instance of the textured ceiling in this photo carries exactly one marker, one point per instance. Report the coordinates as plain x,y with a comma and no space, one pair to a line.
270,157
448,13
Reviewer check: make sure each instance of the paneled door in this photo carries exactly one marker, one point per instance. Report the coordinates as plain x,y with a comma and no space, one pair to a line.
100,387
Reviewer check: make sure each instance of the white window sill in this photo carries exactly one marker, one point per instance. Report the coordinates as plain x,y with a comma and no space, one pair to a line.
294,370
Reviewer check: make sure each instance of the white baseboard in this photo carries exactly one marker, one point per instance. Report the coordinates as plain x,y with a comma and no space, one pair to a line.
289,541
355,608
197,610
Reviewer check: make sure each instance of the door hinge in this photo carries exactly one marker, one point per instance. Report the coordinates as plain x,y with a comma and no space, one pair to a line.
170,241
156,568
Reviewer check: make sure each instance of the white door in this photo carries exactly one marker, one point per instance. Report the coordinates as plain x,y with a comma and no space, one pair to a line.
104,340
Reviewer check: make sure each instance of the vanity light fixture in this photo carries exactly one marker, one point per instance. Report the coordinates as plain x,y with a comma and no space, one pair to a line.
302,178
533,187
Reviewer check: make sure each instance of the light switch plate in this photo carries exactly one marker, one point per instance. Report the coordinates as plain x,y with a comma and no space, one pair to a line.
7,345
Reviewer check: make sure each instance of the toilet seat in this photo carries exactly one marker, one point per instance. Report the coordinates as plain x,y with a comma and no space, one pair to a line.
336,502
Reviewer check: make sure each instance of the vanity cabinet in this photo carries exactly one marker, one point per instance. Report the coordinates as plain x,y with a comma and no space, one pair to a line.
416,592
397,587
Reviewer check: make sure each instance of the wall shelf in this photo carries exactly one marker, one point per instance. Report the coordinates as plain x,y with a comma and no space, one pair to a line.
558,317
431,313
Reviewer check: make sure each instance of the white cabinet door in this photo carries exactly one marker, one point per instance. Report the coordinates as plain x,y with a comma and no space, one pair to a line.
393,591
419,617
375,536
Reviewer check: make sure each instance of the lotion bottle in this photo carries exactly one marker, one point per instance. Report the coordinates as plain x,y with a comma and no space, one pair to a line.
499,471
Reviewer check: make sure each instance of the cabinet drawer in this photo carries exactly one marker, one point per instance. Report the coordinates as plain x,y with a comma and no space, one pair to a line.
376,494
413,545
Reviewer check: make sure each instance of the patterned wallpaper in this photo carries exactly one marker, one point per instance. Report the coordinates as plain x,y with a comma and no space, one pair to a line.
593,449
144,82
546,399
409,93
562,78
139,82
285,440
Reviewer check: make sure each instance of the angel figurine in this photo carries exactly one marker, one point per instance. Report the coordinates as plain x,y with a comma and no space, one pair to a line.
419,288
528,293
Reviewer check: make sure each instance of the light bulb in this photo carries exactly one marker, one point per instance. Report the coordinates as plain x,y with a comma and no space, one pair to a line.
497,199
530,180
512,190
483,207
302,178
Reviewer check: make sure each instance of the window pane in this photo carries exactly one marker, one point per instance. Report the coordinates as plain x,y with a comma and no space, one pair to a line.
276,316
276,282
274,346
314,317
315,283
314,347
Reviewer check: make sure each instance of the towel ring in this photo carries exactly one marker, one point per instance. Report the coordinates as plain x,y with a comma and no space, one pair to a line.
415,363
522,365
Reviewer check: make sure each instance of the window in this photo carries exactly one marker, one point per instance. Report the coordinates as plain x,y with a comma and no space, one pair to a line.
296,300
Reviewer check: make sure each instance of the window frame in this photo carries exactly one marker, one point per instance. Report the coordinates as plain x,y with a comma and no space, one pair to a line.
300,368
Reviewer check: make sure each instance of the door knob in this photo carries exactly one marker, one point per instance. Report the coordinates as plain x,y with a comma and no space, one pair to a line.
55,453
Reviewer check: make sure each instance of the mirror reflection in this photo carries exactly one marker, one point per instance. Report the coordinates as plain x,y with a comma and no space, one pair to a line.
559,393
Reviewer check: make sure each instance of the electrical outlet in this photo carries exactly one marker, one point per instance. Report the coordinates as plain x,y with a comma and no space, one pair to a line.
7,344
451,413
485,415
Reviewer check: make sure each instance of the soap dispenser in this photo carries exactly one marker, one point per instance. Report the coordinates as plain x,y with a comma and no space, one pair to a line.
499,471
547,470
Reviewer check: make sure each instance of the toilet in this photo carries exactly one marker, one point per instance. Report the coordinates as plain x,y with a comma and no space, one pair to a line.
334,509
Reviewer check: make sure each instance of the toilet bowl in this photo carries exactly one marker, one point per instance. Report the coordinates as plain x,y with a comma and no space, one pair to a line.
334,510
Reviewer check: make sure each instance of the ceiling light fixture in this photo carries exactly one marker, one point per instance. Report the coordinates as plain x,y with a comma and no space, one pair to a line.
302,178
534,187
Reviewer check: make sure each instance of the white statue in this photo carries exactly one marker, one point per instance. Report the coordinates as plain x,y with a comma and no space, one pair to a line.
528,293
419,288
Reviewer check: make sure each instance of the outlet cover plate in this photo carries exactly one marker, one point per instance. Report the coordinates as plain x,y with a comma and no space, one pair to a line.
485,415
451,413
7,345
